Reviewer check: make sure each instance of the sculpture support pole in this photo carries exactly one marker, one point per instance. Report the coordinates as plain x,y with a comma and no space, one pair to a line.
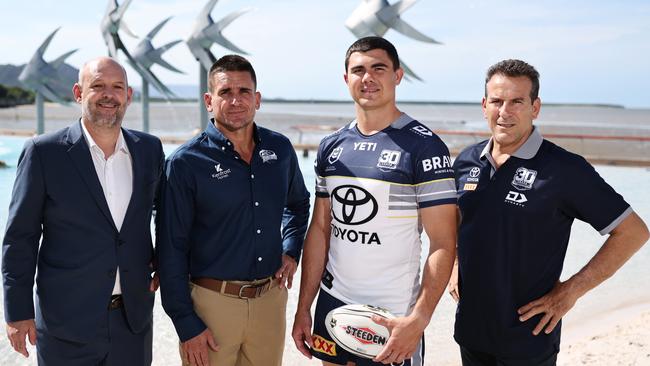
203,87
40,116
145,105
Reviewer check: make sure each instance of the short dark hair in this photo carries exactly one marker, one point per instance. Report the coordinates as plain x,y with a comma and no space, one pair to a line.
366,44
231,63
515,68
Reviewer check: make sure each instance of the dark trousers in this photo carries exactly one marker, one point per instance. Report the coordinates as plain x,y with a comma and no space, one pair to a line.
121,349
475,358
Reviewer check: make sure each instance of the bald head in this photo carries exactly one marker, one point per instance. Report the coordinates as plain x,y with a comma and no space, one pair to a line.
103,92
94,66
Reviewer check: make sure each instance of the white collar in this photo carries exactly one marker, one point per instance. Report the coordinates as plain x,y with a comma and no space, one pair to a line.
120,144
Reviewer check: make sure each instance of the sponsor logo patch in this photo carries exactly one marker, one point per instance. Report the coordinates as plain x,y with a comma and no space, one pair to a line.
365,335
355,236
327,280
473,174
353,205
422,130
437,163
219,172
469,186
365,146
322,345
267,155
388,159
516,198
524,178
335,155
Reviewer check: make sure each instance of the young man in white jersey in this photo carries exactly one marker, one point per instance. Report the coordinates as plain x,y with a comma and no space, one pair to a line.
380,181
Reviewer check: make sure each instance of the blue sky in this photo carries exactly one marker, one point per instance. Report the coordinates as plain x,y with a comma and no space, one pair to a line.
586,51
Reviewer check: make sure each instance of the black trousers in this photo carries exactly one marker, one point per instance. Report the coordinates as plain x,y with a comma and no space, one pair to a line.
475,358
122,348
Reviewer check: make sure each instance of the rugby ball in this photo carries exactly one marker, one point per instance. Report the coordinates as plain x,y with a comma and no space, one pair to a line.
352,328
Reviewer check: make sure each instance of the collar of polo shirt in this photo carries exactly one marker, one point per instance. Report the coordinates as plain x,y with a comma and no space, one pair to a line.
526,151
216,137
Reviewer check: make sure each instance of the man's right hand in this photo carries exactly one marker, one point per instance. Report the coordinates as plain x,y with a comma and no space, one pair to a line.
301,332
452,287
195,350
16,332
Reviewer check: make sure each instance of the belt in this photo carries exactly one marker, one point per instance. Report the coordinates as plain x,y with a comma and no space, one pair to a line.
249,290
116,302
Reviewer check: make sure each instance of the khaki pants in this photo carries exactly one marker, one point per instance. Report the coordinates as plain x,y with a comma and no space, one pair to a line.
249,332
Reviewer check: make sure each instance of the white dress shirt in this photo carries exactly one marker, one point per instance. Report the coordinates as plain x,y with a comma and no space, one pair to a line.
115,174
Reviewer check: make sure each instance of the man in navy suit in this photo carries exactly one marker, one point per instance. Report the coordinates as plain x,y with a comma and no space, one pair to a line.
86,195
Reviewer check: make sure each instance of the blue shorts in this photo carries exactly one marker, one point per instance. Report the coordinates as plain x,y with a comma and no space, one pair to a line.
327,350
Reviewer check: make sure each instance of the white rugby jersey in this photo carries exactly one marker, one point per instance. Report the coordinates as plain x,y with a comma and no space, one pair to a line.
376,185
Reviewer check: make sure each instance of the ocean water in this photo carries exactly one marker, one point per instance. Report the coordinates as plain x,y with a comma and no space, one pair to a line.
627,288
463,116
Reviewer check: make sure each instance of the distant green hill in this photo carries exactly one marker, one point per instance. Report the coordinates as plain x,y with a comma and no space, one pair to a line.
13,96
9,77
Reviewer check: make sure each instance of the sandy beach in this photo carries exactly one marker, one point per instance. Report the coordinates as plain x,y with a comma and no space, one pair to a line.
616,333
619,339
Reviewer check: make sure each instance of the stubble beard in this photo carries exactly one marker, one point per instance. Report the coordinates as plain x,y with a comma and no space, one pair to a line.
90,113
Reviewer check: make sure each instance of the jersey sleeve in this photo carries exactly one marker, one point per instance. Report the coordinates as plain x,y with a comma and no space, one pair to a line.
321,182
434,176
592,200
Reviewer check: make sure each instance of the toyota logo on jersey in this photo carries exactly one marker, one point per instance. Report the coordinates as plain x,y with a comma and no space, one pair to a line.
353,205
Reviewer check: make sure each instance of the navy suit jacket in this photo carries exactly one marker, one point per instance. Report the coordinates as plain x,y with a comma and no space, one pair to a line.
58,202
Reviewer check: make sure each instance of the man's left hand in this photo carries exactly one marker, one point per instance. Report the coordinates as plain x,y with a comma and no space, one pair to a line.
155,282
553,305
405,333
286,271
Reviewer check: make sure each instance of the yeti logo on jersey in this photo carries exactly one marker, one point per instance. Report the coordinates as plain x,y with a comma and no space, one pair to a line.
335,155
524,178
436,163
352,205
422,130
388,159
365,146
267,155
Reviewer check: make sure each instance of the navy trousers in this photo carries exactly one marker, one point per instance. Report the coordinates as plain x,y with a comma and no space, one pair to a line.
122,348
475,358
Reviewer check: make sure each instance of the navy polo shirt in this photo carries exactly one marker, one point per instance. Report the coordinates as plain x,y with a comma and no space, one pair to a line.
226,219
513,236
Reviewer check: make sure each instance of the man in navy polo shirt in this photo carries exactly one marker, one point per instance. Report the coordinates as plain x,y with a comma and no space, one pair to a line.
518,196
235,211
